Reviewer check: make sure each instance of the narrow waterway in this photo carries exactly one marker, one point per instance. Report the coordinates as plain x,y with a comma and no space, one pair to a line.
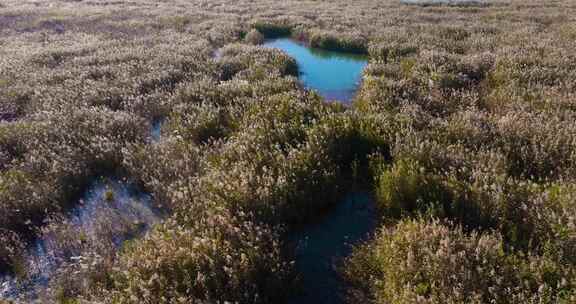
322,246
156,130
335,75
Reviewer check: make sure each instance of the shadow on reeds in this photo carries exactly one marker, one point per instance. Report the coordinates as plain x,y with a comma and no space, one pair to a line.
321,246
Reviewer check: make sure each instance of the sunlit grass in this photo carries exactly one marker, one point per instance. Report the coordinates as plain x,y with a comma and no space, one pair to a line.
463,126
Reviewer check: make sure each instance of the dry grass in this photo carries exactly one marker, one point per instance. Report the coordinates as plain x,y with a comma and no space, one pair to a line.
466,114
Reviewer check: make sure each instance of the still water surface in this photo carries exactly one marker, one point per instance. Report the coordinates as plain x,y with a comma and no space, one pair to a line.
335,75
322,246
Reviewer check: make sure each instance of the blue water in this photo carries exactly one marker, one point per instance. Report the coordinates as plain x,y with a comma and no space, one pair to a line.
335,75
156,130
321,246
110,212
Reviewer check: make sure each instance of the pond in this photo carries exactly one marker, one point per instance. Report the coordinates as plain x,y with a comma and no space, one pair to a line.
335,75
110,212
321,246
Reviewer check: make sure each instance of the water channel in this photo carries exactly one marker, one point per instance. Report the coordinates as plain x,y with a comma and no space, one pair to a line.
320,247
335,75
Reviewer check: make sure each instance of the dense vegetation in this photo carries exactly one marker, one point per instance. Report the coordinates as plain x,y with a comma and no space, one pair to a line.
464,126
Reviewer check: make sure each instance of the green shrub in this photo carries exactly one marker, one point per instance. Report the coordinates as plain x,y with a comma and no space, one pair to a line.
154,165
350,138
271,168
256,64
201,123
216,258
423,262
338,42
406,188
21,213
383,94
271,29
556,230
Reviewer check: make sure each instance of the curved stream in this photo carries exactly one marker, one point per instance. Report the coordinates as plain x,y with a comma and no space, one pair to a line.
335,75
321,246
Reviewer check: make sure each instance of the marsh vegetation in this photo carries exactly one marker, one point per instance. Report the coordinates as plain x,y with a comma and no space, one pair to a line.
220,159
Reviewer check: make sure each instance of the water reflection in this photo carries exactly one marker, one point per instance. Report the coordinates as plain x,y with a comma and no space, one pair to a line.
335,75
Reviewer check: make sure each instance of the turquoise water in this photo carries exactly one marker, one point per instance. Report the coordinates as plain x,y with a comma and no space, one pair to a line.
335,75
